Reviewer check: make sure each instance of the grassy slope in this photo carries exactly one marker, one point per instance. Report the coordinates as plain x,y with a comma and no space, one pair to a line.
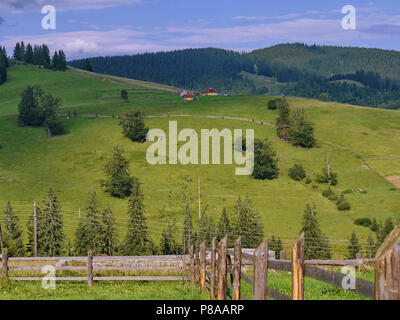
73,163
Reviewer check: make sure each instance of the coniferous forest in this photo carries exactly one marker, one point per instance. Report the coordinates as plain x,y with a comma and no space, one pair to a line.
348,75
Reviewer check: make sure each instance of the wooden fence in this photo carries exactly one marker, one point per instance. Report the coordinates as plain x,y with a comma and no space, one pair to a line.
89,268
213,274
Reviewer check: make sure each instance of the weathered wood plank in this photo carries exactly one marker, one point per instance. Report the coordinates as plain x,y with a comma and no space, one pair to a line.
213,267
222,268
90,268
298,269
197,263
387,268
5,263
237,269
127,278
203,266
260,267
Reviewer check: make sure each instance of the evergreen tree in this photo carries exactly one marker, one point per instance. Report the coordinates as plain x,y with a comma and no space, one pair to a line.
354,246
17,52
133,126
110,232
29,54
370,249
51,231
188,233
13,238
124,94
22,51
206,229
3,65
283,121
90,232
300,131
119,183
316,245
88,66
246,224
276,245
137,241
384,230
169,244
265,161
224,228
55,61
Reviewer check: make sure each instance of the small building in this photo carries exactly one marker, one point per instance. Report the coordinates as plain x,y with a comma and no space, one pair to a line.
182,92
209,92
188,97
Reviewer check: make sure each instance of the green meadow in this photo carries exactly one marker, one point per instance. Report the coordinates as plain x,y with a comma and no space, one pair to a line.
72,164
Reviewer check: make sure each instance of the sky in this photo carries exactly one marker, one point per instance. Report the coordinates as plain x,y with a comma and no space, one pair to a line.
86,28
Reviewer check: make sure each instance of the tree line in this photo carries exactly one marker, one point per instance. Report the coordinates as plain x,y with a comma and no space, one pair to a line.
3,65
40,55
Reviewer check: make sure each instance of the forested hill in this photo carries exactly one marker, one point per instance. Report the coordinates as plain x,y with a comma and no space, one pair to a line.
361,76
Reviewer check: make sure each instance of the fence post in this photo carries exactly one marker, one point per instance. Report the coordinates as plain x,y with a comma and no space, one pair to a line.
191,257
260,269
90,268
203,266
34,230
222,263
298,269
387,268
213,267
4,258
282,255
237,269
196,263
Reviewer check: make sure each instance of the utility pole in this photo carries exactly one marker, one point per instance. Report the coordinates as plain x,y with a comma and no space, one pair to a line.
329,168
199,202
34,230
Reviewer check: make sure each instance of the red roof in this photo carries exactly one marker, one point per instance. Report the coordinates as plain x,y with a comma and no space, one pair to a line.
210,90
188,96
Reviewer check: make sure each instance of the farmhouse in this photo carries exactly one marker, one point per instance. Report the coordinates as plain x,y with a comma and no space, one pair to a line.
209,92
188,97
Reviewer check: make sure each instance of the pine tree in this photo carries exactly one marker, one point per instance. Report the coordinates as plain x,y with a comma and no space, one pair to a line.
137,241
300,131
385,230
55,62
265,161
283,121
88,66
124,94
51,232
224,228
188,232
13,238
17,52
29,54
119,183
90,232
316,245
133,126
110,234
169,244
206,229
370,249
247,224
354,246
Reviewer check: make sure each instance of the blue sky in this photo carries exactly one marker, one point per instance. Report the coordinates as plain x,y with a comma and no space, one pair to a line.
111,27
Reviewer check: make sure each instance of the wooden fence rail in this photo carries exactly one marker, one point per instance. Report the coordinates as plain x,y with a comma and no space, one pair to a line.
387,271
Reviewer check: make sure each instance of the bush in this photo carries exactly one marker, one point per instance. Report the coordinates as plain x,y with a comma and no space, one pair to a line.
308,181
323,177
343,205
364,222
55,125
327,193
272,104
333,197
297,172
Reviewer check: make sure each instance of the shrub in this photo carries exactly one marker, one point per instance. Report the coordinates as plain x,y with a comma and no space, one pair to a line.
364,222
308,181
55,125
297,172
272,105
327,193
124,94
324,178
343,205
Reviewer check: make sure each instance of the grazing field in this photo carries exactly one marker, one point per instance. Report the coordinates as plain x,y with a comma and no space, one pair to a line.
31,163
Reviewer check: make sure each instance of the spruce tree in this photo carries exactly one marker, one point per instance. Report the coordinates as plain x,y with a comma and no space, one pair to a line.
300,131
133,126
188,232
137,241
17,52
51,231
224,228
13,238
206,229
90,232
169,244
119,183
265,161
316,244
283,121
29,54
247,224
354,246
370,249
88,66
110,232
